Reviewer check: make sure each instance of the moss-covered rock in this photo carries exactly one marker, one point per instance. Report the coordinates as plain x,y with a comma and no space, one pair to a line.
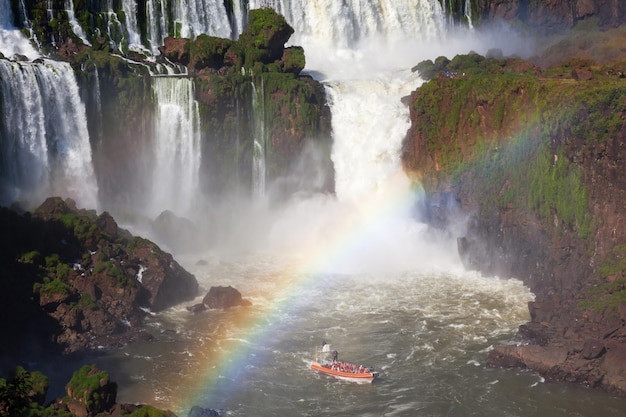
265,36
90,391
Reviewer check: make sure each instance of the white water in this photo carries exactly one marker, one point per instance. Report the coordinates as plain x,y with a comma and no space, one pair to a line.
76,28
12,42
47,150
259,154
176,146
45,147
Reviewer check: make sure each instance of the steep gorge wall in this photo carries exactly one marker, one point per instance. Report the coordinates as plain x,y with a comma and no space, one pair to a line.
533,159
551,15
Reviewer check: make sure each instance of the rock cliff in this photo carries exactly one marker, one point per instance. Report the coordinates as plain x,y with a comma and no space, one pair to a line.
532,158
73,280
547,17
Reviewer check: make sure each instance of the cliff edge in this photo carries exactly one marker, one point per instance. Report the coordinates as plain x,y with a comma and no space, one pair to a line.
532,157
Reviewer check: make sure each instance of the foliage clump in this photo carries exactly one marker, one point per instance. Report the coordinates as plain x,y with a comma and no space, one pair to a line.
89,392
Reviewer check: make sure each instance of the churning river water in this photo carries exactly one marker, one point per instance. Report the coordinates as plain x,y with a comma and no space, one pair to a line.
427,333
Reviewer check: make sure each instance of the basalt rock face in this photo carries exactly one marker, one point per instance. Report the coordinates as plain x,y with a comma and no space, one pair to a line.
531,159
552,15
73,280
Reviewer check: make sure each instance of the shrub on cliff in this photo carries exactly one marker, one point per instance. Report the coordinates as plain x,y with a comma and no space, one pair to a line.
207,52
90,392
22,393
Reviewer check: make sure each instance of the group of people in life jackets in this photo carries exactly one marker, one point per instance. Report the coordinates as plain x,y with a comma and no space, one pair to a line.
337,365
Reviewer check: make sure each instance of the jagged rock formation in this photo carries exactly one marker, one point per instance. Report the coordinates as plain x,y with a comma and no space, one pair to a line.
74,280
532,158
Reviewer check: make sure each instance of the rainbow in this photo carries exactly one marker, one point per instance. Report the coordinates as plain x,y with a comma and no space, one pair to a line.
206,384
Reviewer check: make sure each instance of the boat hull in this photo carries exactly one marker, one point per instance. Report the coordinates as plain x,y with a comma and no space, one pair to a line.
358,377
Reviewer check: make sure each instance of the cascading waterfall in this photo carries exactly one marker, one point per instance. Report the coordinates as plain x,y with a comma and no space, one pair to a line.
468,13
177,146
188,18
115,29
194,17
12,41
357,20
258,159
157,29
69,9
129,7
369,120
45,143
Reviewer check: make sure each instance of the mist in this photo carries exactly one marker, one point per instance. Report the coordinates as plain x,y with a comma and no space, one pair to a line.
371,223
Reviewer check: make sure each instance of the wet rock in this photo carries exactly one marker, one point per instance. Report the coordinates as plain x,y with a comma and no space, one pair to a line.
196,308
203,412
224,298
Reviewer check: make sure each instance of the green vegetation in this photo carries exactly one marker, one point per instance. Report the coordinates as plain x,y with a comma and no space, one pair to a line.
148,411
23,393
85,387
113,271
611,293
85,302
527,133
52,287
32,257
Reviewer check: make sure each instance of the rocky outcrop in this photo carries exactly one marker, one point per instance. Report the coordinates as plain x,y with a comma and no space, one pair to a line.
89,393
220,298
224,298
77,280
531,159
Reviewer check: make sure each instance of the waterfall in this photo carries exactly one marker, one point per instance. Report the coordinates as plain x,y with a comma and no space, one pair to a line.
129,7
177,146
69,8
348,22
157,29
44,142
187,19
468,13
363,55
194,17
12,42
258,159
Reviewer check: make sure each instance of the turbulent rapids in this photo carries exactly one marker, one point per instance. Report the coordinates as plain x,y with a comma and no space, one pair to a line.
356,267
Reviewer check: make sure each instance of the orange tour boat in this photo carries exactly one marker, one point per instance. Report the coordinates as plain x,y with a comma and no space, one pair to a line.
346,371
343,370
